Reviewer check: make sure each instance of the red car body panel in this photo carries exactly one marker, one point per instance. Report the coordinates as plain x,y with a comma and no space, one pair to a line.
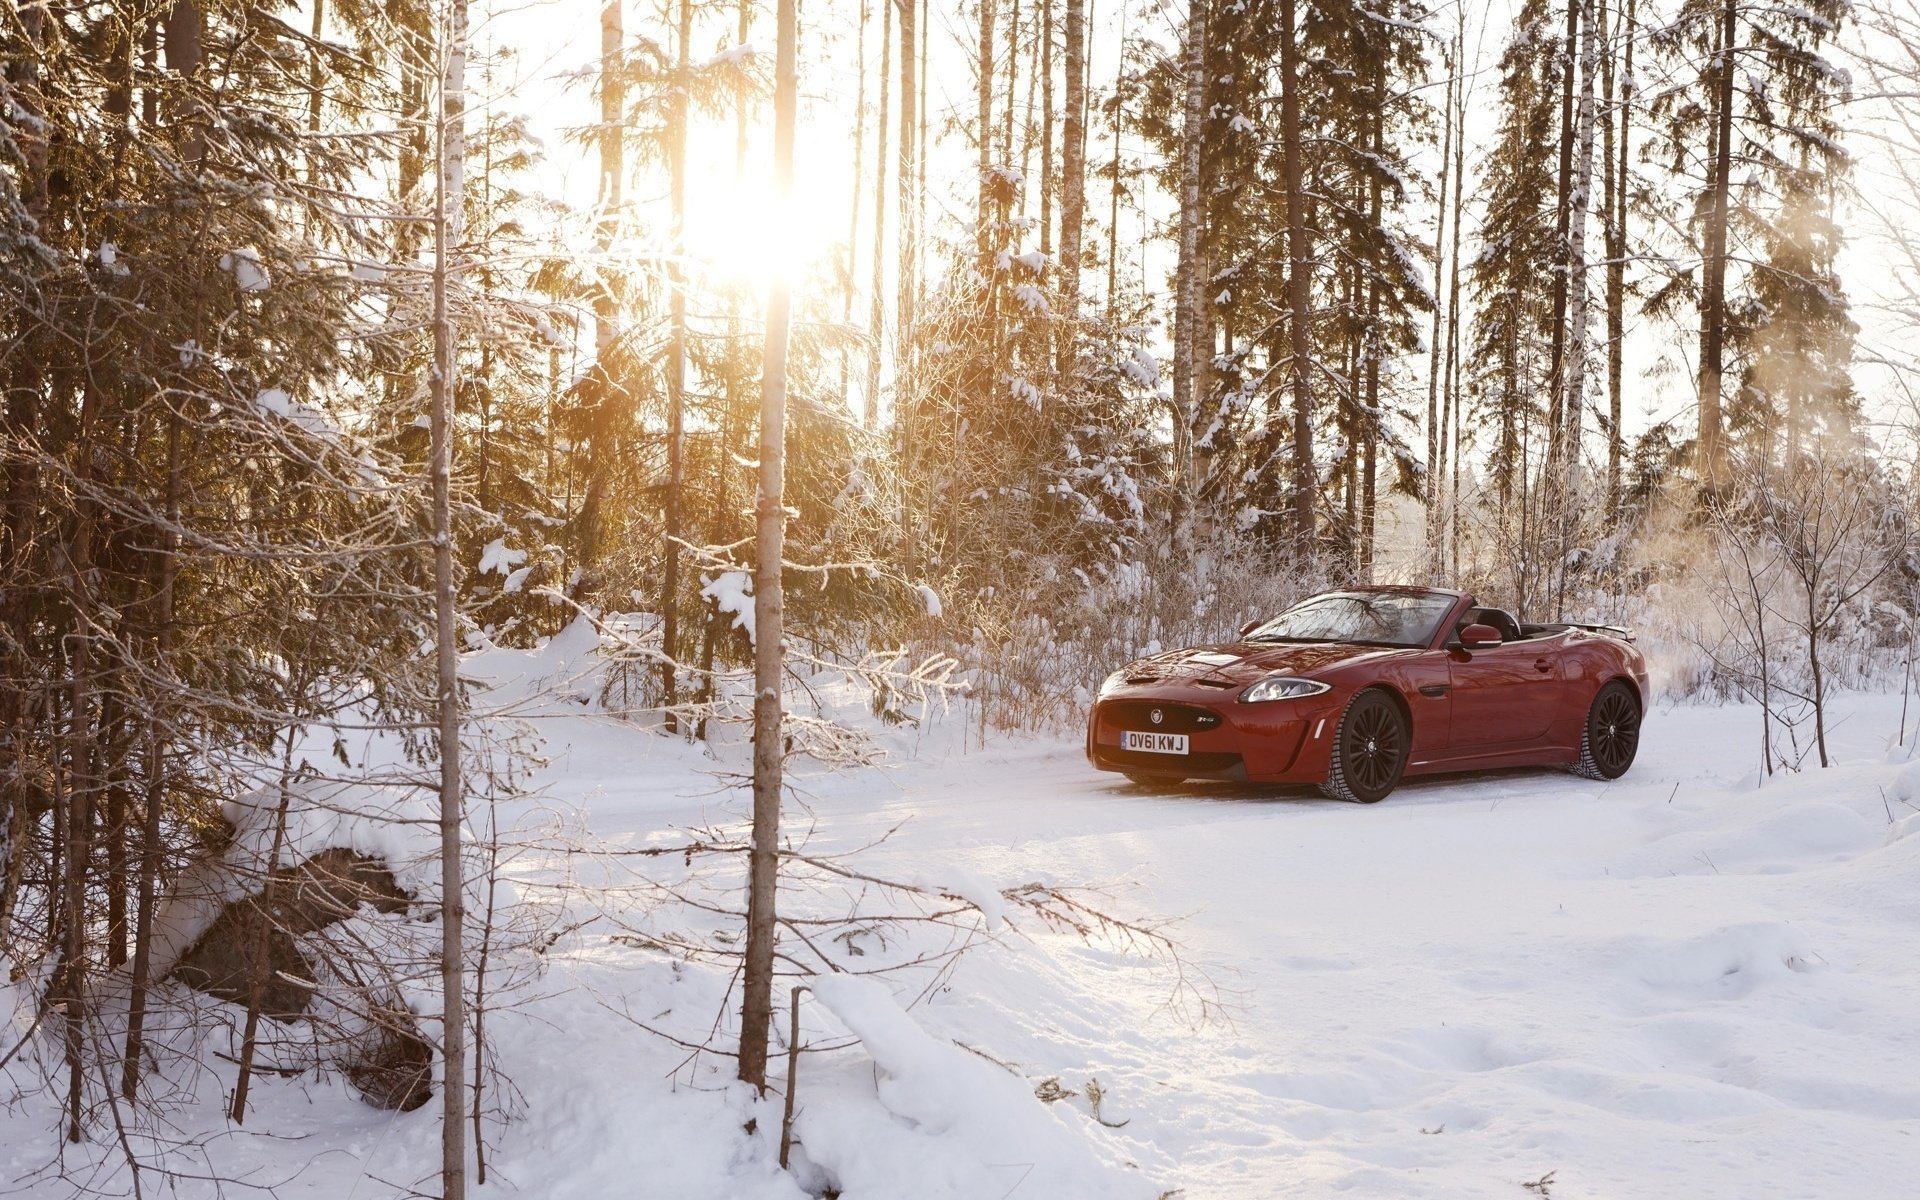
1520,703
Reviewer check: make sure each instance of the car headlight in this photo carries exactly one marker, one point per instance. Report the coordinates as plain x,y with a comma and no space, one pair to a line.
1113,681
1284,687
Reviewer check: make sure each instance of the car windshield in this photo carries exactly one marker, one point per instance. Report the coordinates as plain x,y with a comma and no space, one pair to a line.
1369,618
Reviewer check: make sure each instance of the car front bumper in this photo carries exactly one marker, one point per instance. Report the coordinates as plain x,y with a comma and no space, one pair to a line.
1281,741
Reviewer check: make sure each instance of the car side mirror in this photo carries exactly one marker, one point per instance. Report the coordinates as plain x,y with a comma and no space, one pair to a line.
1250,626
1479,637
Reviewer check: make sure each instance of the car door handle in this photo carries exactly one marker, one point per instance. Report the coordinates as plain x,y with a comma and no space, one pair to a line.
1541,664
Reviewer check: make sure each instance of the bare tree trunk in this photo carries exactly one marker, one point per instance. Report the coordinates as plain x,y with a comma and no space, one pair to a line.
1454,399
876,315
983,213
756,1013
907,285
1572,410
1373,346
606,296
1073,180
73,973
1044,68
1557,362
316,84
909,206
1819,680
1113,199
447,233
156,778
186,30
859,166
612,144
1620,113
1299,300
1713,290
1436,420
1189,346
676,373
21,409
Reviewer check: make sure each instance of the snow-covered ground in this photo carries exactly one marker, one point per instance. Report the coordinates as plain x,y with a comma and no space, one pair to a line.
1678,985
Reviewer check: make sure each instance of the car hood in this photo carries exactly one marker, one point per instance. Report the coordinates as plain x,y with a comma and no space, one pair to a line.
1244,662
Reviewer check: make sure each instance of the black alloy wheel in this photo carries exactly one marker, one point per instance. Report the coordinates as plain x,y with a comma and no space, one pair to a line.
1369,749
1612,735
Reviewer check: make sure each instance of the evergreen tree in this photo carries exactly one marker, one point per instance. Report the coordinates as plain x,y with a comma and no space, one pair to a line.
1748,125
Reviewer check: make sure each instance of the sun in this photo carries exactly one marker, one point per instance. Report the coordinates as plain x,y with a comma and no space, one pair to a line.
741,233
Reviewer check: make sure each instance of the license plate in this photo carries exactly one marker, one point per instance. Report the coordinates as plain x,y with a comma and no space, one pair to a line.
1154,743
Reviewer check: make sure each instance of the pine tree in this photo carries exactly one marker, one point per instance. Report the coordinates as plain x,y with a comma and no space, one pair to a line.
1750,125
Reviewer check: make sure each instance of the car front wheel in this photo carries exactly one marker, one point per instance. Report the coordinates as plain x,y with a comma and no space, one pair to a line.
1369,749
1612,734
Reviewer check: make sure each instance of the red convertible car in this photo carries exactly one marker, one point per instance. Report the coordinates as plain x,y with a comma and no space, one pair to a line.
1355,689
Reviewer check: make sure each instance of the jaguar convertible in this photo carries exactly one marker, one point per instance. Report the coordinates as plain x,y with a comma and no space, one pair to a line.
1356,689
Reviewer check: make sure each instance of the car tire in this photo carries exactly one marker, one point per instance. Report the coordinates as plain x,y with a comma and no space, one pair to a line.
1611,736
1369,749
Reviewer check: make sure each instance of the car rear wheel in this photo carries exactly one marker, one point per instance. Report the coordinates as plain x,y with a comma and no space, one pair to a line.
1369,749
1612,734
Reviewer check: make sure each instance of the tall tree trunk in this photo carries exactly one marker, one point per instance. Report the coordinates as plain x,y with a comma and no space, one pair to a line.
740,103
1073,180
857,177
1454,399
1562,212
1299,300
909,207
676,373
1436,421
186,30
1374,345
1047,182
756,1013
613,171
156,765
316,85
906,402
876,314
24,382
1189,344
1572,411
1713,289
447,233
983,213
79,815
1620,110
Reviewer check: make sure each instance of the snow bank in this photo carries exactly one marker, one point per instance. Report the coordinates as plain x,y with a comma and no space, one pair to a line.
937,1122
395,825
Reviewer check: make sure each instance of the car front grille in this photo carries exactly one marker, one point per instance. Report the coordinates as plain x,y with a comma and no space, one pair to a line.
1174,718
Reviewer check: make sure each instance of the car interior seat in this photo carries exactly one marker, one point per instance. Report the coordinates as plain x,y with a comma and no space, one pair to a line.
1501,620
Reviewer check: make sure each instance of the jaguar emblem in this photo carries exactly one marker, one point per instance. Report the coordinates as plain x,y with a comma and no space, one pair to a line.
1156,716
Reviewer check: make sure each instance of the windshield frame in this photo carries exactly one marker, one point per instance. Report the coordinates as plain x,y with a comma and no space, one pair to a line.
1449,603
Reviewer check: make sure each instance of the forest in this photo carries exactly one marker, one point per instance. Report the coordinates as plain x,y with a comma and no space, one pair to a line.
840,368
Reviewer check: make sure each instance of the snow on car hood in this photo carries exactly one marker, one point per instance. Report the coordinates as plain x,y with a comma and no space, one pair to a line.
1244,662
